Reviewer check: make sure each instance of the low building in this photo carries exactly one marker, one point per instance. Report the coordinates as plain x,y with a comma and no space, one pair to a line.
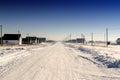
13,39
118,41
80,40
73,40
38,40
25,41
30,40
42,39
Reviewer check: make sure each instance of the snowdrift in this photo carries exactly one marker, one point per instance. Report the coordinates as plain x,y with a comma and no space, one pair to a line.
108,57
104,58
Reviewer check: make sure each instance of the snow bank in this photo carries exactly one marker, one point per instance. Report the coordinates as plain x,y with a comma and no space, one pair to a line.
105,58
110,57
7,51
10,57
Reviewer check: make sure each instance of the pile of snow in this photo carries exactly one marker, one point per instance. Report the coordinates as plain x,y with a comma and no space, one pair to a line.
7,51
110,57
106,58
10,56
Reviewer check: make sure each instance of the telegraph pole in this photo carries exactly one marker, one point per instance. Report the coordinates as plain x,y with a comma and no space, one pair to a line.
104,40
92,39
107,37
70,37
1,34
83,37
18,37
28,39
18,31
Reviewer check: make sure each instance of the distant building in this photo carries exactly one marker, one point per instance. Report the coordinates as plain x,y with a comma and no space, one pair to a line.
31,40
42,39
38,41
13,39
118,41
73,40
80,40
25,41
50,41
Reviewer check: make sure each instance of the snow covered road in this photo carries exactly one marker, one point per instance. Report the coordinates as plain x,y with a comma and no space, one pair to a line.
60,62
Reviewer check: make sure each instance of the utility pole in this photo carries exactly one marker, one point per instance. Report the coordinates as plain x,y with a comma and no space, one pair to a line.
83,37
18,31
70,37
107,37
19,37
1,34
92,39
28,39
104,40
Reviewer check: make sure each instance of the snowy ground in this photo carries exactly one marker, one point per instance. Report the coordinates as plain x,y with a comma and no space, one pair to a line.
57,62
108,56
13,55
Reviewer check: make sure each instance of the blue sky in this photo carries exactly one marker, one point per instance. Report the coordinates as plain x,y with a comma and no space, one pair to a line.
56,19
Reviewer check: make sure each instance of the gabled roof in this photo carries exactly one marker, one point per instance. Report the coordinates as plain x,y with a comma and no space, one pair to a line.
11,36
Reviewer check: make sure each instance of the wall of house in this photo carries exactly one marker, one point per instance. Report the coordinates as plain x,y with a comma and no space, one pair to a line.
12,42
20,41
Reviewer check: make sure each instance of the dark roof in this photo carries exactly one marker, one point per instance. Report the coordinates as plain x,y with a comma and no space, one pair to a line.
31,38
11,36
42,39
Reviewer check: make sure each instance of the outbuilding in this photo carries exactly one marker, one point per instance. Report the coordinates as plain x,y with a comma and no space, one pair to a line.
12,39
80,40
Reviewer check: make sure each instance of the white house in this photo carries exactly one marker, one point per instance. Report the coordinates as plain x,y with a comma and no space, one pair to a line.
13,39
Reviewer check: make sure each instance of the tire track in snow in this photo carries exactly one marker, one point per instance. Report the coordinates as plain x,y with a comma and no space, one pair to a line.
29,64
58,63
35,64
69,53
106,73
34,75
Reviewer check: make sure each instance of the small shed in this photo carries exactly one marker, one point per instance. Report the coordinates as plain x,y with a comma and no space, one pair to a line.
42,39
80,40
13,39
73,40
31,40
25,41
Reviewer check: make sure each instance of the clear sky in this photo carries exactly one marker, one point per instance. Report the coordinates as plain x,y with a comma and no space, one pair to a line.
56,19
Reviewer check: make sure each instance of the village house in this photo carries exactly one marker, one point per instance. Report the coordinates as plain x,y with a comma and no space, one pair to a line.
80,40
12,39
30,40
33,40
42,39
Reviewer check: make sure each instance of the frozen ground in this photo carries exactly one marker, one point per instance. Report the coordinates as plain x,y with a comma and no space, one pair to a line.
10,56
108,56
56,62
